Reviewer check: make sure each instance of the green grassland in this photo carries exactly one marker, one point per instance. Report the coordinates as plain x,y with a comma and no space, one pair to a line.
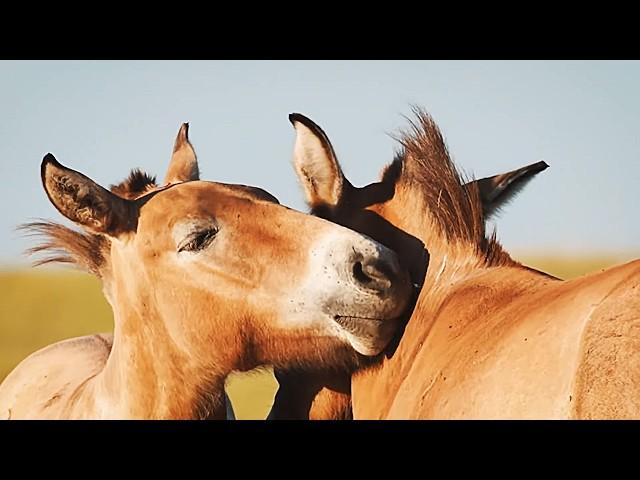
39,307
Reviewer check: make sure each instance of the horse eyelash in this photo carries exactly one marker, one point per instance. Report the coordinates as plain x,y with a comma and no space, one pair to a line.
198,241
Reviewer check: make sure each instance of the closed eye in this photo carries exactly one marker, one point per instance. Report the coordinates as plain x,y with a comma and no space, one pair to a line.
198,240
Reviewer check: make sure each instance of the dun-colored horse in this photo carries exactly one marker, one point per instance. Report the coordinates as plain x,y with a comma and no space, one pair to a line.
203,278
320,394
489,337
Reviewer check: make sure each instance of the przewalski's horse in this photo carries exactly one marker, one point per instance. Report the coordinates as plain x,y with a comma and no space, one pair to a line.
203,278
324,394
489,337
183,167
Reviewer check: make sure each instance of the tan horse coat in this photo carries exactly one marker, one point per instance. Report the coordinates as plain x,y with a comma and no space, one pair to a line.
489,338
203,278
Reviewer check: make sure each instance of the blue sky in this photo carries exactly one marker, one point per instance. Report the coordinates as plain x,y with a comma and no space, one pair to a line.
105,117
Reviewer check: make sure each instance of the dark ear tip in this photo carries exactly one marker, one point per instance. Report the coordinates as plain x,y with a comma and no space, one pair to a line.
184,130
306,121
47,160
294,117
540,166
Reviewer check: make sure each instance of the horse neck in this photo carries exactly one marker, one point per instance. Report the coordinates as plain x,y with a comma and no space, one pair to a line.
451,300
447,311
148,375
472,292
459,279
449,259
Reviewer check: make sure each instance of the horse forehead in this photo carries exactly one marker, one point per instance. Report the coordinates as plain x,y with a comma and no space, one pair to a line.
192,198
208,200
255,193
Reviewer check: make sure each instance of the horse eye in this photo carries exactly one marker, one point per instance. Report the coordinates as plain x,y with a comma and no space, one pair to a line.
198,241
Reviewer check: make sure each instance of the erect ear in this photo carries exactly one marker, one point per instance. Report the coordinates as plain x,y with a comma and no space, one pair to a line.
84,202
184,163
316,164
497,191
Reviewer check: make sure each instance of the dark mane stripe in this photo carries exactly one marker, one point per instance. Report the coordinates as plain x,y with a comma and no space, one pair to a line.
136,184
424,163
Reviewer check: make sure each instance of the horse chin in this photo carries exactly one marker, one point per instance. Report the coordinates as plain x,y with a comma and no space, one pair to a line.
367,336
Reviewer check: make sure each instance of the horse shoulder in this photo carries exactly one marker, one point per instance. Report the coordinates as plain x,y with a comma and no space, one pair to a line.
607,383
42,383
487,344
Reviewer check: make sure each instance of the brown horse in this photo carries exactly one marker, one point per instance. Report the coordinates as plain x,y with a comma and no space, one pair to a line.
489,338
203,278
183,167
319,394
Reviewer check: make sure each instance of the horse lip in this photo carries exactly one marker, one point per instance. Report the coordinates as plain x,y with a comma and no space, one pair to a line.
337,318
364,326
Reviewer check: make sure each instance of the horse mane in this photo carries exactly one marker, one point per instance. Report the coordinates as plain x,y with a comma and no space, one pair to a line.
135,185
88,251
423,163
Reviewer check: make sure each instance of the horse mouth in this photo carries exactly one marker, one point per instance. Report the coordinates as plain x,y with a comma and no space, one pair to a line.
347,318
367,335
362,326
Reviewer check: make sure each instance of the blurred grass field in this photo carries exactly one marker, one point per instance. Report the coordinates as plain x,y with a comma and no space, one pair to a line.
39,307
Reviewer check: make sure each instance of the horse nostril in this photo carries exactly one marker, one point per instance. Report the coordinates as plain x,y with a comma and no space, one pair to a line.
359,274
372,275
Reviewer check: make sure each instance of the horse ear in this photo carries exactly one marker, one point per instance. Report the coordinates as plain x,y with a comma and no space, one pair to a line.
497,191
84,202
316,164
183,166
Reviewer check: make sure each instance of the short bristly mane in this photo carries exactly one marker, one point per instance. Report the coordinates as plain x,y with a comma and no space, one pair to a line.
424,163
88,251
135,185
